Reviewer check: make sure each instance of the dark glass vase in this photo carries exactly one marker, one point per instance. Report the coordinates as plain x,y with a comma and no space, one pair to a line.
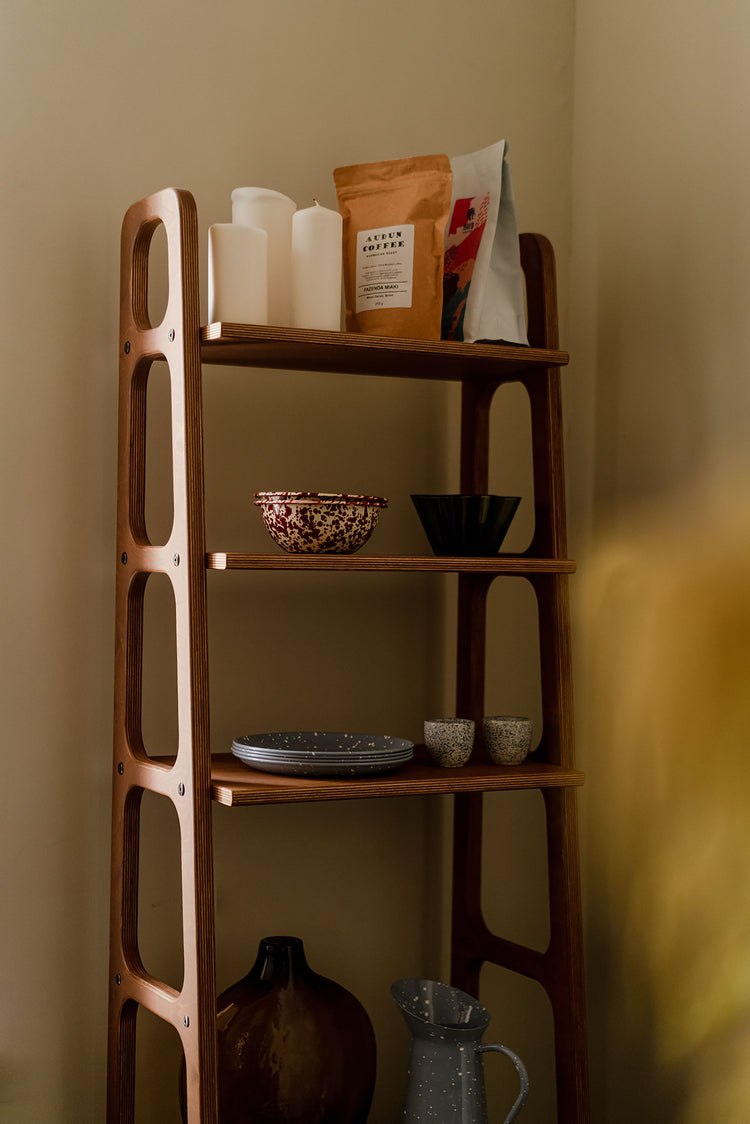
293,1046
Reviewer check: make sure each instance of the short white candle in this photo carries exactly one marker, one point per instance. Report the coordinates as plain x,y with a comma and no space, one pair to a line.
237,274
316,268
271,211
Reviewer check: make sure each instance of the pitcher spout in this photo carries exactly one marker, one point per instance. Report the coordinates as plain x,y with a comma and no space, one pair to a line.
429,1005
446,1077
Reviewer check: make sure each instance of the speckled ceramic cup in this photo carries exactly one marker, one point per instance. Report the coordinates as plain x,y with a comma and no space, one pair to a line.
507,738
449,741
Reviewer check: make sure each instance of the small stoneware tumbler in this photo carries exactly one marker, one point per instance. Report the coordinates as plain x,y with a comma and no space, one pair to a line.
449,741
507,738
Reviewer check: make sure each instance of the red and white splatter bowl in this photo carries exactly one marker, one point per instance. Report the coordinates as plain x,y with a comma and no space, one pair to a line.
319,522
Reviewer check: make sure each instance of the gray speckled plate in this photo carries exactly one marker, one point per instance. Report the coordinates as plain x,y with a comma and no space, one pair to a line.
322,758
321,753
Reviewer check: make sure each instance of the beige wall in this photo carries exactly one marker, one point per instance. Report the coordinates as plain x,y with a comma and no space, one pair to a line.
658,401
103,104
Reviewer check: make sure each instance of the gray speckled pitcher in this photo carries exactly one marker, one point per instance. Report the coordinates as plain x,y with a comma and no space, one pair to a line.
446,1078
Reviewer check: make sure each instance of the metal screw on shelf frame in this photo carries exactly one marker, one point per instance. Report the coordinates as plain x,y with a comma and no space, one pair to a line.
181,788
124,557
118,979
171,335
176,559
186,1020
120,768
127,347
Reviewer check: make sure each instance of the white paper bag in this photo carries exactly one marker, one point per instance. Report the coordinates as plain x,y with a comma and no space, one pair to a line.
483,290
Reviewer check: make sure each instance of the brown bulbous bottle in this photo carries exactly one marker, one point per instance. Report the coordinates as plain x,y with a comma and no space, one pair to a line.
293,1046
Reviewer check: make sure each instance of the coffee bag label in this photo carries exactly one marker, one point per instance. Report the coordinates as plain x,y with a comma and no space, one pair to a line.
483,284
385,267
463,236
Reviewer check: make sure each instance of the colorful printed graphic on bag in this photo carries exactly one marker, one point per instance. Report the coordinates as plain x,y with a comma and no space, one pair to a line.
464,234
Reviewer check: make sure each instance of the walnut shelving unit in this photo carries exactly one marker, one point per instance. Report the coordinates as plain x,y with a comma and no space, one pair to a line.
193,778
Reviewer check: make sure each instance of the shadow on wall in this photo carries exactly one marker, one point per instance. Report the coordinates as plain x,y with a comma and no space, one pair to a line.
668,616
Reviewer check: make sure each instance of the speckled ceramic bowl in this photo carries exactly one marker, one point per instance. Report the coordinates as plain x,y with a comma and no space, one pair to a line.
319,522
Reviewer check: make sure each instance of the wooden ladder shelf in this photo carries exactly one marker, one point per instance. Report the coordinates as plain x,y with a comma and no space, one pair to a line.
193,778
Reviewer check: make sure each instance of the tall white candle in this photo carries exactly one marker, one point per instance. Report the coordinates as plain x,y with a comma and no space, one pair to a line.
237,274
271,211
316,268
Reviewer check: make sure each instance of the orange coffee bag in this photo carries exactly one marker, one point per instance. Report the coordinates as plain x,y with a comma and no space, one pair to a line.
394,215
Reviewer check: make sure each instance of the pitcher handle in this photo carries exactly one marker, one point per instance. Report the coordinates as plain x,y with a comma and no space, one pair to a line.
485,1048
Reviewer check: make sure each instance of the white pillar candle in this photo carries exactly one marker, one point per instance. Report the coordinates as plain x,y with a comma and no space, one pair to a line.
271,211
237,274
316,268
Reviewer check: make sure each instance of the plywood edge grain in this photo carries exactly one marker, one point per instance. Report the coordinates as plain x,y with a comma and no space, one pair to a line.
355,353
503,564
235,784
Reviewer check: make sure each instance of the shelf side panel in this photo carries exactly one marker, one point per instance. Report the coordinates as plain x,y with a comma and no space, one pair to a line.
560,969
192,1011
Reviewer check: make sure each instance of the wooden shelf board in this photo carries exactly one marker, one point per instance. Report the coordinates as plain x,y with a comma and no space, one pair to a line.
236,784
297,349
503,564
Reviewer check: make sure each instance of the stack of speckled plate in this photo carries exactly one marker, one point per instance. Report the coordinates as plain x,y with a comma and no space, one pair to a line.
320,753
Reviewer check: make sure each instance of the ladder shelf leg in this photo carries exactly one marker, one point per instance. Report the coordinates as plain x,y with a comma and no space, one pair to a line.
192,1009
559,968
